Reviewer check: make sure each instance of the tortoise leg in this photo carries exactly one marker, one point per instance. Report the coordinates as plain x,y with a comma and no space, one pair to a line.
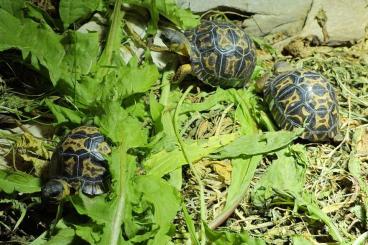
182,71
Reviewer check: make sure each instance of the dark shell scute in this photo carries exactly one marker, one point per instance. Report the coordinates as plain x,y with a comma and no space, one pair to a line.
304,99
222,54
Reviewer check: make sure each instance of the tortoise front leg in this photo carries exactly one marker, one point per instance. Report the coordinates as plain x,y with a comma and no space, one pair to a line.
182,71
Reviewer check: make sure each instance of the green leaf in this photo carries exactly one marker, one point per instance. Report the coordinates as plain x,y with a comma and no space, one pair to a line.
20,206
211,100
36,41
93,207
226,237
118,125
71,11
190,224
137,79
40,240
165,161
180,17
81,52
108,209
183,18
243,114
285,179
64,114
64,236
14,7
307,202
256,144
283,174
156,110
355,168
163,199
11,181
301,240
90,232
242,174
123,81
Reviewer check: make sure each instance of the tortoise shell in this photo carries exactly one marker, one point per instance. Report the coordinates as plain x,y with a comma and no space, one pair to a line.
81,162
304,99
221,54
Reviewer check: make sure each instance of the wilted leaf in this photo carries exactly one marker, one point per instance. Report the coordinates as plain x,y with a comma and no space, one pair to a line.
223,170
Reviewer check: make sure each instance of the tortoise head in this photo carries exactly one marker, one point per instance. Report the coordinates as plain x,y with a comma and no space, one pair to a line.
55,190
278,68
176,41
282,66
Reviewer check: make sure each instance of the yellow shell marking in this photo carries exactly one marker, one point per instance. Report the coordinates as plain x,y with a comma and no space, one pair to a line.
91,170
284,83
210,61
231,64
87,129
224,42
205,41
300,117
322,120
69,165
243,43
289,101
74,144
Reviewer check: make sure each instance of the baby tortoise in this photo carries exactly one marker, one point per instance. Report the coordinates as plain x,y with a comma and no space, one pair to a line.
300,98
78,163
221,54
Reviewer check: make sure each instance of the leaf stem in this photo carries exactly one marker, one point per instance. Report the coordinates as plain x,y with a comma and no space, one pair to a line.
112,45
195,172
252,163
165,93
119,212
113,40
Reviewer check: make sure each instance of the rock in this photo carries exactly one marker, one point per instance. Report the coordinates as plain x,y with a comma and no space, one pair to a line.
345,20
277,16
267,16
